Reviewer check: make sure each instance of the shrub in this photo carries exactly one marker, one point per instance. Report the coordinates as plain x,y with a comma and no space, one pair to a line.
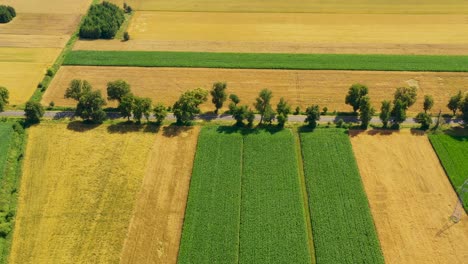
340,123
126,36
50,72
7,13
102,21
5,229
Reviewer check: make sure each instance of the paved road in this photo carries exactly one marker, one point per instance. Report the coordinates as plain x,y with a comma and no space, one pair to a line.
212,117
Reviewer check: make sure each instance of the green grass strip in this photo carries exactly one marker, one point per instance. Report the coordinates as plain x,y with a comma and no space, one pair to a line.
269,61
453,153
342,225
212,218
12,145
273,228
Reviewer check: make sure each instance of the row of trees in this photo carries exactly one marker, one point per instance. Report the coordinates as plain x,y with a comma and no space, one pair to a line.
7,13
103,21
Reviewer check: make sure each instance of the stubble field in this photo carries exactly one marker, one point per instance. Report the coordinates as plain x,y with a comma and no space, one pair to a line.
77,192
303,88
410,197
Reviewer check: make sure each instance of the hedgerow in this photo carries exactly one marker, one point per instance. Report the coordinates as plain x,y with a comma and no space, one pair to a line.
343,228
103,21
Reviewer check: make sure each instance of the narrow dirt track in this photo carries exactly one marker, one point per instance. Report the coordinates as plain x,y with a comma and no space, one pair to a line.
156,225
410,198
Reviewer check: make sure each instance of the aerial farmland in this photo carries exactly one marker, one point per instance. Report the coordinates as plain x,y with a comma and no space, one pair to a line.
203,131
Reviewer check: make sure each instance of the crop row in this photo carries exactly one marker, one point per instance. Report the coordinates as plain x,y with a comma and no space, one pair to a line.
342,224
269,61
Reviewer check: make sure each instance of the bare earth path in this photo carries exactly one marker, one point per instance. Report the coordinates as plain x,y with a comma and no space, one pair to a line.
156,225
410,198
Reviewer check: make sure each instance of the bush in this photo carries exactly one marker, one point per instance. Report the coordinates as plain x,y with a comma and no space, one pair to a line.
102,21
50,72
126,36
5,229
7,13
340,123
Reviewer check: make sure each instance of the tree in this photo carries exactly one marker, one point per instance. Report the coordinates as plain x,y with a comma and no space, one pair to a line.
77,88
385,112
160,112
428,103
407,96
218,92
283,109
269,115
464,109
313,115
33,112
366,111
454,102
116,90
188,105
355,93
424,119
126,106
262,103
234,98
90,107
250,117
4,97
239,113
399,112
141,107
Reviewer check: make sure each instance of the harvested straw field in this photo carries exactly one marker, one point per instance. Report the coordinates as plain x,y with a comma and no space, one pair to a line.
293,33
23,69
49,6
410,197
158,215
303,88
78,190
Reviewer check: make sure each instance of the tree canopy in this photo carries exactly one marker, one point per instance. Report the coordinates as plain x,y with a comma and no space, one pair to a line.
355,93
313,115
116,90
218,92
90,107
188,105
7,13
406,95
77,88
33,112
263,106
103,21
4,97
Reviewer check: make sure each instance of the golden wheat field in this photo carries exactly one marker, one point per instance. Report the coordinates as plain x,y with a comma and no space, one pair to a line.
49,6
78,190
158,216
300,88
23,69
298,6
410,198
293,33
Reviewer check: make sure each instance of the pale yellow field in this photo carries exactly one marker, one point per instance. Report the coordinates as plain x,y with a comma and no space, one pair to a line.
156,226
78,190
410,198
23,69
313,6
293,33
303,88
49,6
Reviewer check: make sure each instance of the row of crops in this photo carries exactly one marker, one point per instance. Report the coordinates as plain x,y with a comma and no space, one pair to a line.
245,203
453,154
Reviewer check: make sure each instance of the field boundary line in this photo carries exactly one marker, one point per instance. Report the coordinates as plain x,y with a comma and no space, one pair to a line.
307,214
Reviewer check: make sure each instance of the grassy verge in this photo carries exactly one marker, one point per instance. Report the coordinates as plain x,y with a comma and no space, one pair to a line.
269,61
453,154
12,144
273,228
212,218
124,26
342,224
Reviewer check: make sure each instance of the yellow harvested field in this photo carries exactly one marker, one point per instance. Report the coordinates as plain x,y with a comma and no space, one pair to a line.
78,189
293,33
49,6
303,88
156,226
299,6
23,69
410,197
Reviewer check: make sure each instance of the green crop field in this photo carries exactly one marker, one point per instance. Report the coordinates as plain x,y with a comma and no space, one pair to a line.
5,136
269,61
453,153
342,224
212,218
273,228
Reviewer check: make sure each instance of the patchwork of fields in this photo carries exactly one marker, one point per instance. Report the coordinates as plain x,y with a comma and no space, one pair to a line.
302,88
410,198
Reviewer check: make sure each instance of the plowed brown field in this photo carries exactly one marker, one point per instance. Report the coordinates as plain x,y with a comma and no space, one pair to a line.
156,226
303,88
293,32
410,198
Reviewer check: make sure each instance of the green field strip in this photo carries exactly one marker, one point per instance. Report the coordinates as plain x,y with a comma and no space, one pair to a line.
269,61
212,218
453,154
273,228
342,224
5,136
